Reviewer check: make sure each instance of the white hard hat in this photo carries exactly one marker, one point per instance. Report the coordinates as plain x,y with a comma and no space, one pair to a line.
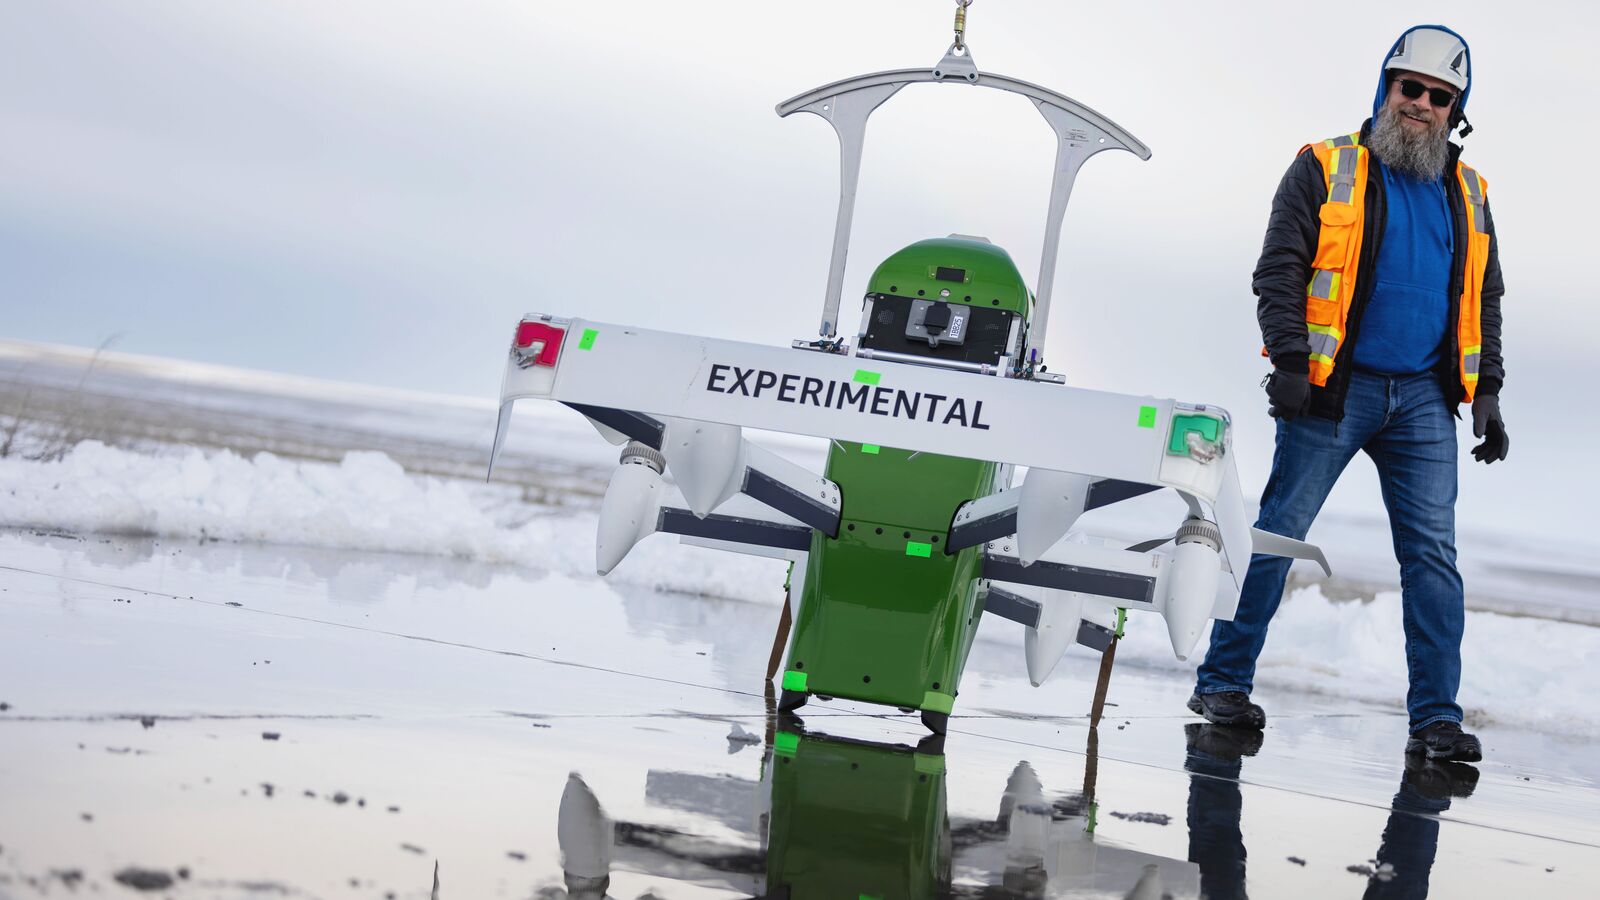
1432,51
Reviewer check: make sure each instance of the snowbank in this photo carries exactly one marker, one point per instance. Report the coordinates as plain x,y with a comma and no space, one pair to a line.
1518,670
365,502
1521,671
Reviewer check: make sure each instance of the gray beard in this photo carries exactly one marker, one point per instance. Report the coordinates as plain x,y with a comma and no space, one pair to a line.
1422,156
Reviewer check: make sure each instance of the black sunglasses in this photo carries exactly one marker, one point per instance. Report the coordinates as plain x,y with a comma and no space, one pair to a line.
1411,89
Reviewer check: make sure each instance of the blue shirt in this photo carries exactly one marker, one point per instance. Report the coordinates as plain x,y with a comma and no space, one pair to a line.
1407,316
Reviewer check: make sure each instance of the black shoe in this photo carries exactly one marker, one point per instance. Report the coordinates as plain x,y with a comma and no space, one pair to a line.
1440,780
1445,740
1224,742
1229,708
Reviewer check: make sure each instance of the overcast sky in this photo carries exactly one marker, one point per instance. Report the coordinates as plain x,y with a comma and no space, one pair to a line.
374,191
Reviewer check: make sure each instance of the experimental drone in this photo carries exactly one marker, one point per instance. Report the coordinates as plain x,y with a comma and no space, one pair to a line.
918,526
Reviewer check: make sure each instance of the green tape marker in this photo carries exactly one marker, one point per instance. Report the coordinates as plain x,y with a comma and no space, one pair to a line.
786,742
917,548
870,449
927,764
587,341
933,701
1147,417
865,377
794,681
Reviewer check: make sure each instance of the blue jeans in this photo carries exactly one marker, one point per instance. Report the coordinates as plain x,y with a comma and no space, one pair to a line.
1405,424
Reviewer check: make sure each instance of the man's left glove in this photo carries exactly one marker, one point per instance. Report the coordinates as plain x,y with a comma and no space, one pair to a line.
1487,424
1288,393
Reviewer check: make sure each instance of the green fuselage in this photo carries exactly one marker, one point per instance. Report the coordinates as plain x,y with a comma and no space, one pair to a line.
852,819
885,615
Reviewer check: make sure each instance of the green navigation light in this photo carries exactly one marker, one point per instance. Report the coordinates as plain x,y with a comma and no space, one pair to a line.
1206,426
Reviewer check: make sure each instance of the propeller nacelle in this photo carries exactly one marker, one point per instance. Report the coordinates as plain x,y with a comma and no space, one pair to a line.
1191,583
1044,644
631,507
584,834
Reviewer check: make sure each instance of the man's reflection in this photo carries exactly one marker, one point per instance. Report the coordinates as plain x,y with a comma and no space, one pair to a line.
1213,759
1411,837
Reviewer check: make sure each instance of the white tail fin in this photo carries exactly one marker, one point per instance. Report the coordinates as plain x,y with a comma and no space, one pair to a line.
1049,504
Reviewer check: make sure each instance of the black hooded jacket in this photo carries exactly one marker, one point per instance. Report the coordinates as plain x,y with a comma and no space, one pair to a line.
1284,270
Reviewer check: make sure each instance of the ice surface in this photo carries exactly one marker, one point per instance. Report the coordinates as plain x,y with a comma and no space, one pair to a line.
454,697
1518,671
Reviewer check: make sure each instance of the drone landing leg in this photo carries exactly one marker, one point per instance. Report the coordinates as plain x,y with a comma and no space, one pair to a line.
779,640
1107,657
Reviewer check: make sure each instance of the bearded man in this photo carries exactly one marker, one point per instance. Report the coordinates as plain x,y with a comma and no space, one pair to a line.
1379,302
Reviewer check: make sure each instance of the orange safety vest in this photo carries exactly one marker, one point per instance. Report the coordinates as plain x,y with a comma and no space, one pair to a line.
1345,164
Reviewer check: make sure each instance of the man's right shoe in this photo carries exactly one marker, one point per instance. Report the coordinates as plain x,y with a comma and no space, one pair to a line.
1229,744
1439,779
1445,740
1229,708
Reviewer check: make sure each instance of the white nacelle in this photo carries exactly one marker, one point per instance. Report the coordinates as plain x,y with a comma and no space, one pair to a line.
628,513
1191,594
1044,644
583,832
1022,786
1028,834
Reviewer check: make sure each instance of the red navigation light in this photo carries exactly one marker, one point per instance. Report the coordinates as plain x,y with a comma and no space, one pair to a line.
530,333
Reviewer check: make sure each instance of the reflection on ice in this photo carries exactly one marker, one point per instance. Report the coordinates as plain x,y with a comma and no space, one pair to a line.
584,834
840,817
391,679
1410,839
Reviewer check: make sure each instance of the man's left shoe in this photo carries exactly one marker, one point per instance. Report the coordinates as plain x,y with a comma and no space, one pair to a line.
1445,740
1228,708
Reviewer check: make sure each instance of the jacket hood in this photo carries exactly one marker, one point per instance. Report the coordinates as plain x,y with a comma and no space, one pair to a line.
1383,81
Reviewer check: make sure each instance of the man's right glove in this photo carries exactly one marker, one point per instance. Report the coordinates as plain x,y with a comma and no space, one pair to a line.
1289,394
1487,424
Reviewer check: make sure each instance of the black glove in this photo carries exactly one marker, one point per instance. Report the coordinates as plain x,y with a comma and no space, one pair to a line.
1289,394
1487,424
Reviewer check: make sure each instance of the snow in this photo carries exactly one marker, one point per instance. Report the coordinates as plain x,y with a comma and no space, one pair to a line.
1515,670
365,502
1519,671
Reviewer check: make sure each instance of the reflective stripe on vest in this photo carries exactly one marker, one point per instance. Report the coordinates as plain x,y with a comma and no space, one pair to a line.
1332,286
1470,325
1345,166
